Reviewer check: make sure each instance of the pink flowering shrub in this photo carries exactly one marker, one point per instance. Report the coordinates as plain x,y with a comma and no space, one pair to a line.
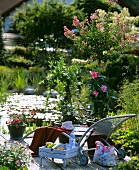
15,156
101,36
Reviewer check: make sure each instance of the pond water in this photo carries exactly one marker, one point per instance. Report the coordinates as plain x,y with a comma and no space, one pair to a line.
18,101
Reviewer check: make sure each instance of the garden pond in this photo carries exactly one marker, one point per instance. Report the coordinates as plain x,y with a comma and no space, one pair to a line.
16,102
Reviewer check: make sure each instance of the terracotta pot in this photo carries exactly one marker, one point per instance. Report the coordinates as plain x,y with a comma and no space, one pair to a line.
16,133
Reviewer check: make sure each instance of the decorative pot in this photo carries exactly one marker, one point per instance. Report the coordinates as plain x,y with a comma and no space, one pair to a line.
16,133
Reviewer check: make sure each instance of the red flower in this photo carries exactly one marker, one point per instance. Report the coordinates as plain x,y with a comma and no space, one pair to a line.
7,122
34,113
32,120
17,126
26,120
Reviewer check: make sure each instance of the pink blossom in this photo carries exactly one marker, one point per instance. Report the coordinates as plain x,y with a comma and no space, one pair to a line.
95,93
113,36
94,74
84,43
76,22
68,33
123,41
104,88
94,16
17,163
8,159
99,25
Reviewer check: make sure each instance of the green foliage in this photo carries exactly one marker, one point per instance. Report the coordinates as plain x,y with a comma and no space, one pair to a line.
66,80
4,131
128,101
1,40
41,53
20,80
127,139
47,18
4,83
90,6
125,67
4,70
3,168
133,6
130,165
19,50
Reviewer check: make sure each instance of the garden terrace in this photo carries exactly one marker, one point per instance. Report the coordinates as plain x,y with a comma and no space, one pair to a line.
48,164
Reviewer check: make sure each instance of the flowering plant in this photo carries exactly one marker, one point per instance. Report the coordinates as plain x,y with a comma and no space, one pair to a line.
15,156
100,95
23,116
102,36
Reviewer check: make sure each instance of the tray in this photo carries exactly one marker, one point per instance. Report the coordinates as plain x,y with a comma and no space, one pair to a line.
56,153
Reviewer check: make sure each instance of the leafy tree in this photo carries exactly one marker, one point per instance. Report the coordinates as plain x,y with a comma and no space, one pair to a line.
132,5
47,18
90,6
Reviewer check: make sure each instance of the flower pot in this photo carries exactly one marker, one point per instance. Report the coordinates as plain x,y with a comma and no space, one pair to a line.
16,133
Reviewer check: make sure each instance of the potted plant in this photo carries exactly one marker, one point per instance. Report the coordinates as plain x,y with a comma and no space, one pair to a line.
14,156
18,120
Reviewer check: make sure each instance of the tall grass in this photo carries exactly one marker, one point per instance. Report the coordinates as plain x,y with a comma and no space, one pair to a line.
4,85
128,102
20,80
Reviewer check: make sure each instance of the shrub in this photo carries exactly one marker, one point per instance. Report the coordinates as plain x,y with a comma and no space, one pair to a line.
132,164
127,139
125,67
102,35
128,101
